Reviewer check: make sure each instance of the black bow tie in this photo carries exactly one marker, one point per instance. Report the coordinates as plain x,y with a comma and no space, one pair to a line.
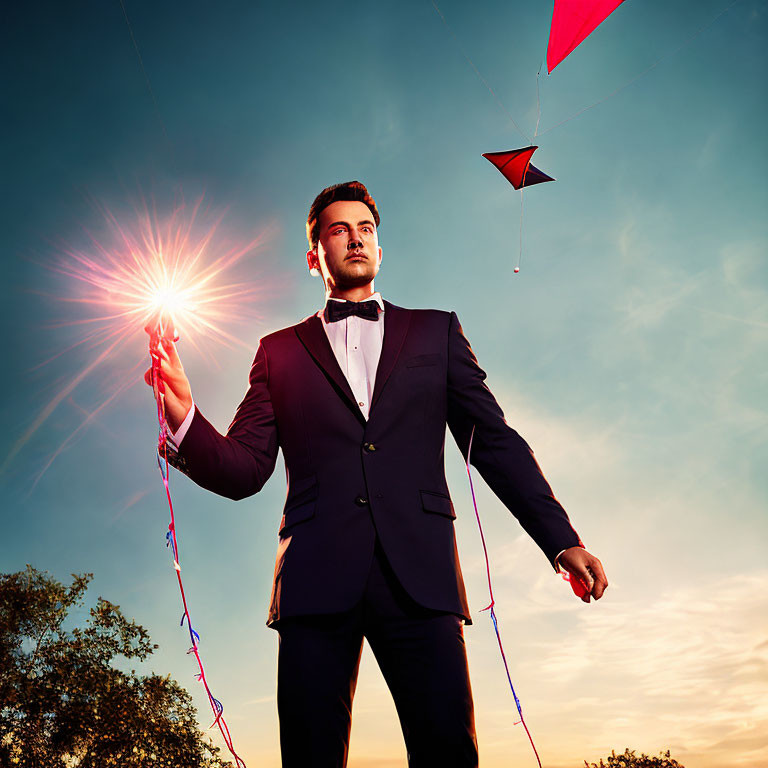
338,310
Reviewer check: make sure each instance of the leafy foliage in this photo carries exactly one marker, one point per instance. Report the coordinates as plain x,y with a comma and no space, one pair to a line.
630,760
62,702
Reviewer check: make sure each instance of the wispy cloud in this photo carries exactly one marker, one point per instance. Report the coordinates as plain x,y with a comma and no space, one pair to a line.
260,700
688,669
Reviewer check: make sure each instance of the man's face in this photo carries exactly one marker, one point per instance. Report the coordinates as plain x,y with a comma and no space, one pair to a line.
347,253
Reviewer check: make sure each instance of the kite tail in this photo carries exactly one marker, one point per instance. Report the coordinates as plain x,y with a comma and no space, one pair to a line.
162,462
520,252
491,606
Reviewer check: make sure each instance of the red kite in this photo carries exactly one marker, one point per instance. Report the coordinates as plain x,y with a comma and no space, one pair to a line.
572,22
515,166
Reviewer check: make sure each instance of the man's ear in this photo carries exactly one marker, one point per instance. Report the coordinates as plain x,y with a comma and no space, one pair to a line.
313,262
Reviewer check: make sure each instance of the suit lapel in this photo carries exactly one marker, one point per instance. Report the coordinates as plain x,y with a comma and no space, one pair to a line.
314,338
396,322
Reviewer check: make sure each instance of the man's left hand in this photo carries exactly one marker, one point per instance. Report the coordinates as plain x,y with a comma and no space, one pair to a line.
587,568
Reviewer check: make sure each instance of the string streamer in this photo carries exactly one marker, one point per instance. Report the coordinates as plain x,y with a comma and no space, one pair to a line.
156,337
492,606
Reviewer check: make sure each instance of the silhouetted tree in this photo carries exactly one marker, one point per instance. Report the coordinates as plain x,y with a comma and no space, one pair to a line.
62,702
630,760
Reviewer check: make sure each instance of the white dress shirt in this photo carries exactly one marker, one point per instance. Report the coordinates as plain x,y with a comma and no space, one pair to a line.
356,343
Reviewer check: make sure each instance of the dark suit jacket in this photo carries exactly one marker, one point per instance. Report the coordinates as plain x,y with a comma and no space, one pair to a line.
350,481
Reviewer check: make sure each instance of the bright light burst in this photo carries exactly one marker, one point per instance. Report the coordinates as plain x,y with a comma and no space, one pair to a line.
171,268
178,268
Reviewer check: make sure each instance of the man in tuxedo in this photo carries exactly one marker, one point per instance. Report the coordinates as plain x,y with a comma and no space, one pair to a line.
358,397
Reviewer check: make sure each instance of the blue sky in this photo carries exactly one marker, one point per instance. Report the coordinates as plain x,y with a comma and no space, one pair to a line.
629,351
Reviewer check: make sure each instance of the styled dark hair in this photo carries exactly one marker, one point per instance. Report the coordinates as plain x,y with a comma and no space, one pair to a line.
349,190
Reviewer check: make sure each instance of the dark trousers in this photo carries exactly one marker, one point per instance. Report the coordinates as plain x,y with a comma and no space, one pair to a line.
422,656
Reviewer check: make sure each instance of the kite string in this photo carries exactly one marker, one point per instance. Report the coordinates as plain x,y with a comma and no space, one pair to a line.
658,61
162,460
477,72
144,73
538,104
491,606
535,134
520,254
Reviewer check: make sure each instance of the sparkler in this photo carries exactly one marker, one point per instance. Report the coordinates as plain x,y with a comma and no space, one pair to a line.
171,269
159,331
174,296
123,280
165,277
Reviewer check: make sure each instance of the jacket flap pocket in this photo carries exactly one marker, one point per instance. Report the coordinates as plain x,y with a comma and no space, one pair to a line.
437,503
296,515
301,502
301,491
413,362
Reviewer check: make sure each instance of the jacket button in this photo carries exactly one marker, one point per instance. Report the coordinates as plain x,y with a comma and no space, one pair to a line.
370,447
361,501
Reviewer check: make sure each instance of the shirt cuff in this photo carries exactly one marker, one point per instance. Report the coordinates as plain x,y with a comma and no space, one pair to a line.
177,436
559,568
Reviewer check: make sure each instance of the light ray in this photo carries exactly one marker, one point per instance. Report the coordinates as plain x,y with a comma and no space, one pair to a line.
179,267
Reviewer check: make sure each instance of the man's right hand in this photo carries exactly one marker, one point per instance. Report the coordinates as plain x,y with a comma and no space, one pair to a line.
177,392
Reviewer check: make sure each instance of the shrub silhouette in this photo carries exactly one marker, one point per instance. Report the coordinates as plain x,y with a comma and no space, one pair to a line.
630,760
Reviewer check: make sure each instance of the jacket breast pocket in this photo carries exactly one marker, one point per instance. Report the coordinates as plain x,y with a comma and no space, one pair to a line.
437,504
301,502
420,360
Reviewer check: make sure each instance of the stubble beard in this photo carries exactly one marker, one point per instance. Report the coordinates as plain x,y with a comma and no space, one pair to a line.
354,278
